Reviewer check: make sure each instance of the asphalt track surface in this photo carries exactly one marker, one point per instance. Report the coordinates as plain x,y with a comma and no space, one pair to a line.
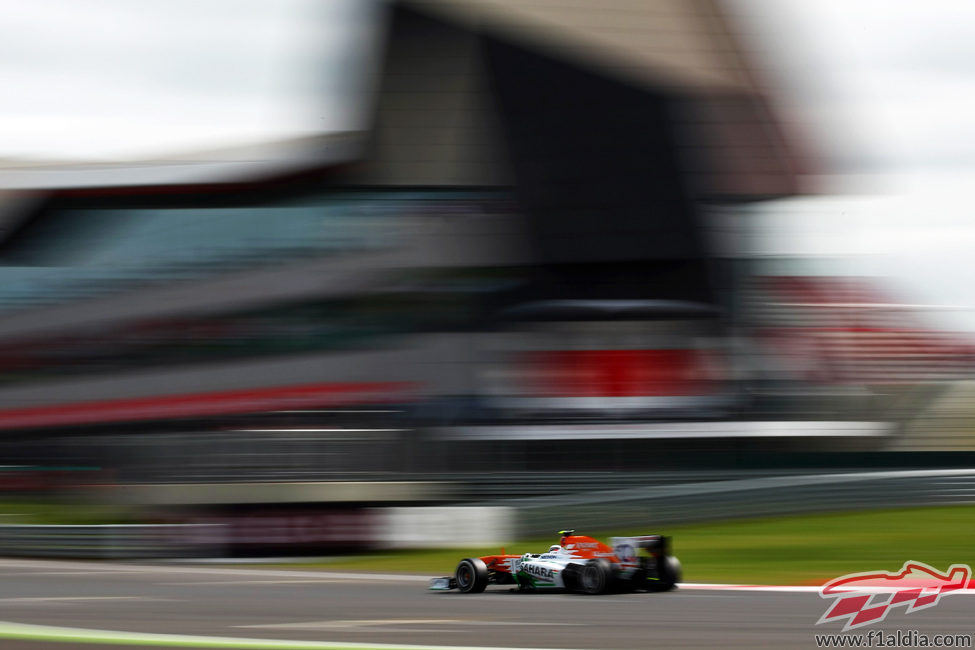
344,608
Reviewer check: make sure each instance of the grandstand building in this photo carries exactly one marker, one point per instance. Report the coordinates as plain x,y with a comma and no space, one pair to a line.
518,238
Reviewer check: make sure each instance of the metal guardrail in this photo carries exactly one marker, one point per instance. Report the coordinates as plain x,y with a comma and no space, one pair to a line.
112,541
661,505
649,506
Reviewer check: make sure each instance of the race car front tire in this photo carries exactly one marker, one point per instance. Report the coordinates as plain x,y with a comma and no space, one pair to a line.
596,576
471,576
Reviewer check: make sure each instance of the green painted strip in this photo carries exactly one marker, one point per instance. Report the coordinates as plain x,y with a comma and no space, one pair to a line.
48,633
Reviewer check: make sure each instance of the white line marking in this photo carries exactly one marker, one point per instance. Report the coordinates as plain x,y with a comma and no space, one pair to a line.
686,430
215,571
782,588
371,623
319,430
8,574
219,583
770,588
341,576
45,599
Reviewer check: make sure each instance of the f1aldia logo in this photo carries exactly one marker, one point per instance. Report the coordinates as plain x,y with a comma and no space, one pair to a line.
866,598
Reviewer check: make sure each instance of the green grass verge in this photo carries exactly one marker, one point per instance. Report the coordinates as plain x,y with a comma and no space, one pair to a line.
54,512
805,549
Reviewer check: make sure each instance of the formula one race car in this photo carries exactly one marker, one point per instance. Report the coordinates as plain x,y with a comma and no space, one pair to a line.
577,563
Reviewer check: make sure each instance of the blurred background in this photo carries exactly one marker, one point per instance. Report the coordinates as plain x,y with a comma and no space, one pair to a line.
334,275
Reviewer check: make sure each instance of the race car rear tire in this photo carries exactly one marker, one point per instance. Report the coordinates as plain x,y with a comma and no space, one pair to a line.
596,576
471,576
668,574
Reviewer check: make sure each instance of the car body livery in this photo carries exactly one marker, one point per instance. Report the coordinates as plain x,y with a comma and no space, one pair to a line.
578,563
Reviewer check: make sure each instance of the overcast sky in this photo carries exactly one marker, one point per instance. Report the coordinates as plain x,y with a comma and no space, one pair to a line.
895,79
888,83
882,87
124,78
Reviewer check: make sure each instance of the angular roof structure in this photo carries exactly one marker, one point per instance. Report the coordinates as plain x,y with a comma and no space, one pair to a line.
437,109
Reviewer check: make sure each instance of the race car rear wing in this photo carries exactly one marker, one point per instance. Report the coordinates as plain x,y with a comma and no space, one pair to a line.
654,544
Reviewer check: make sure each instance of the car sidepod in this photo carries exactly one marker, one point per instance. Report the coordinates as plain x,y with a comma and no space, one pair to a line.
544,572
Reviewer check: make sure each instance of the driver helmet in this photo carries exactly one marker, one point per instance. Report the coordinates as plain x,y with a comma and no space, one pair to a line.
555,548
